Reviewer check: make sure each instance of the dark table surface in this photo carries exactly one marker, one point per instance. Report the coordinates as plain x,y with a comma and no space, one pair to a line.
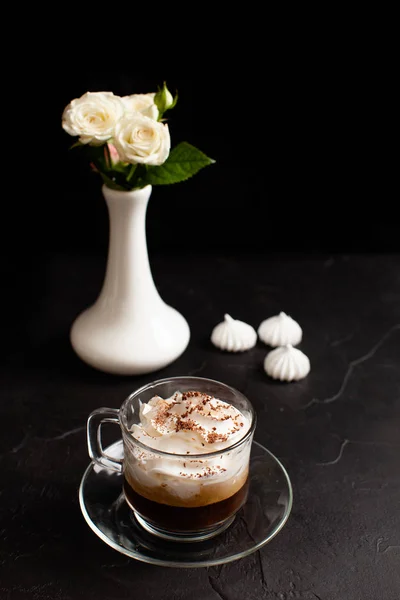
337,432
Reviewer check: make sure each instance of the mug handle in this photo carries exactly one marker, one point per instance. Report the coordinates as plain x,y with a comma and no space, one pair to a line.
95,448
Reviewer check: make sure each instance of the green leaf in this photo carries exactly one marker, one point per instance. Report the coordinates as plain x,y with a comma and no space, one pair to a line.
183,162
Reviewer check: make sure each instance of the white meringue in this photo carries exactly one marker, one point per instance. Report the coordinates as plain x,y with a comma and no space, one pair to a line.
280,330
287,363
233,335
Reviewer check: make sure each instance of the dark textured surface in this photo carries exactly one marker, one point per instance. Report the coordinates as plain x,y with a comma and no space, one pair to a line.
337,432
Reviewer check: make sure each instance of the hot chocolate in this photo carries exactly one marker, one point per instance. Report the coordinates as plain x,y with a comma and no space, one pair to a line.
184,471
185,519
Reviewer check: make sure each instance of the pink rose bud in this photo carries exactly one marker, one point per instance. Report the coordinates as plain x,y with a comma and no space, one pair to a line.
113,154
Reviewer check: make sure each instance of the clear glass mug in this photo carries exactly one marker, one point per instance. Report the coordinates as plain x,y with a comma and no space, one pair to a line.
164,500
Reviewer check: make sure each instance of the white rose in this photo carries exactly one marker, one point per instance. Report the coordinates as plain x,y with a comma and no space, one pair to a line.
139,139
143,103
93,117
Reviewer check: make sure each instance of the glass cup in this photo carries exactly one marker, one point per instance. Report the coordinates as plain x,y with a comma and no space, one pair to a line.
165,501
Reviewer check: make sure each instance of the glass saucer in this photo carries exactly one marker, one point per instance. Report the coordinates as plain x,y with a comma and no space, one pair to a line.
258,521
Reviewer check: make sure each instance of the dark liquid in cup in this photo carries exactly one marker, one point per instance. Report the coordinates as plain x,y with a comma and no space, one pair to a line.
182,519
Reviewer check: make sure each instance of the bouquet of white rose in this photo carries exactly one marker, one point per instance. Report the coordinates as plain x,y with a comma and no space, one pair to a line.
128,141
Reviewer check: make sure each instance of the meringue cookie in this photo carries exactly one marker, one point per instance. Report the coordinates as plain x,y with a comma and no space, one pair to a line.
287,363
280,330
233,335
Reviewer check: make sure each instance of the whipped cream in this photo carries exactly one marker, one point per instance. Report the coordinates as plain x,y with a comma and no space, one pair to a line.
188,423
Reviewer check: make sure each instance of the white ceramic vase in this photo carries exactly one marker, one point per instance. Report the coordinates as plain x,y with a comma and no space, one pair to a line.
129,330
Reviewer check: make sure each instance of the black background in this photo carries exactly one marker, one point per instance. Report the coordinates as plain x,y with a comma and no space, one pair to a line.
302,164
305,164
